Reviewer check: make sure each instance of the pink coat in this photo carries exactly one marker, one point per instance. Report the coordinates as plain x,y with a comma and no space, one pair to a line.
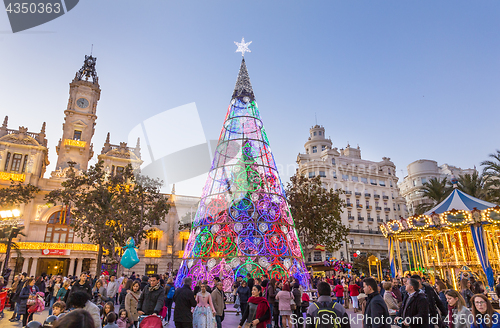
284,300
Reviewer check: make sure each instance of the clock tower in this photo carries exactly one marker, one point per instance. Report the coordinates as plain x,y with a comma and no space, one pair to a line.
75,148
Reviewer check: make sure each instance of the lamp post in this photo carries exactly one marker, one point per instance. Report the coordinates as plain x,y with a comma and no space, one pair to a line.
10,216
13,234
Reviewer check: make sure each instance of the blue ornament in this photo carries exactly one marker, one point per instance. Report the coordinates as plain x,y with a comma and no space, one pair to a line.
129,258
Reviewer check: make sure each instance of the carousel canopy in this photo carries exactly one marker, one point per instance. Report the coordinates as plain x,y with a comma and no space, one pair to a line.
459,200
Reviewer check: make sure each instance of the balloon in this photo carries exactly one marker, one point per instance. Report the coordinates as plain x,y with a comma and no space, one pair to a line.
129,258
34,324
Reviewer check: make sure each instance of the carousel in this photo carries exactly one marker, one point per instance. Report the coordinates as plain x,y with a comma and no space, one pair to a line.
457,238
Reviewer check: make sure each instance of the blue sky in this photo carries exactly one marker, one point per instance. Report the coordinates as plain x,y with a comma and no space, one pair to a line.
403,79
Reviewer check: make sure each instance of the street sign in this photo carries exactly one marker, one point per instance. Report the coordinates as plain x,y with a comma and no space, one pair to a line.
56,251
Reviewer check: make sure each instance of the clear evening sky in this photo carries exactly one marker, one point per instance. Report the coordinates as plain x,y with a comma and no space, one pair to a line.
403,79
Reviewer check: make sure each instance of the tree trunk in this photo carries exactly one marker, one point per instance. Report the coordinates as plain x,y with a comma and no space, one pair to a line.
99,261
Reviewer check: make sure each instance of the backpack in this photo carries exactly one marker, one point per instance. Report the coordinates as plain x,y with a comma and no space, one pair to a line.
171,292
326,317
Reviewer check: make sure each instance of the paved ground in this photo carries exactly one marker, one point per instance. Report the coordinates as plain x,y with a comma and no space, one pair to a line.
230,321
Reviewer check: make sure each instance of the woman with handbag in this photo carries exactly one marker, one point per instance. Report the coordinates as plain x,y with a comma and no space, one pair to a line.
286,304
131,301
27,298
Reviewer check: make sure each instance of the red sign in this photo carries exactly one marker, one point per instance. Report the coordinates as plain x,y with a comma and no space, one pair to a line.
55,251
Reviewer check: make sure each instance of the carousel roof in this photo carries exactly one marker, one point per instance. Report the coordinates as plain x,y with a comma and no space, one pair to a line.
459,200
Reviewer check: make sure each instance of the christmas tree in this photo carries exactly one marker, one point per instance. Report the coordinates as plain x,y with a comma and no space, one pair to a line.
243,223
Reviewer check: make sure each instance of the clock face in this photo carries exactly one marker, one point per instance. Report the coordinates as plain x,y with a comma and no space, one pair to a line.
82,103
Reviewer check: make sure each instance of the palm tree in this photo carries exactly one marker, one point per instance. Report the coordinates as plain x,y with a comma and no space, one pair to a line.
491,173
473,184
435,191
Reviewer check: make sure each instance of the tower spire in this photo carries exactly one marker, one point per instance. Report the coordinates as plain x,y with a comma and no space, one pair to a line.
5,121
243,86
88,70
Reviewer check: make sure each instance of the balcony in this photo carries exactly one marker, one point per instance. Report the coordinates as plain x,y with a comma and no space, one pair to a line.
387,209
358,194
375,232
359,206
351,218
368,195
378,208
347,192
385,197
360,218
380,221
369,207
376,196
370,219
349,205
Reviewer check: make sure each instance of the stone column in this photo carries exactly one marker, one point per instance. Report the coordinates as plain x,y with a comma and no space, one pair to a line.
71,267
79,267
25,264
33,267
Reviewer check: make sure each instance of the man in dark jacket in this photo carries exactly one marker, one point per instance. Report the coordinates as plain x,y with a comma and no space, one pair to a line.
324,302
250,281
432,298
81,285
152,297
184,301
414,312
376,313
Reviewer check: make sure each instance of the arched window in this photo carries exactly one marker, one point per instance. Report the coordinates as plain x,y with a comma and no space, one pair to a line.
58,227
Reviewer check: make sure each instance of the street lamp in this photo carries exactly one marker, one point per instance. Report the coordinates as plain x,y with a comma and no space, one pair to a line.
10,217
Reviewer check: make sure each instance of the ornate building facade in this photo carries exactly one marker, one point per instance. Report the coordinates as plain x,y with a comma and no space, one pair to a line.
50,245
371,193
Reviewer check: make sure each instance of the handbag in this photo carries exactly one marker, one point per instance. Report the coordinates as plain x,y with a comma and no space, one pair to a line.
31,300
293,306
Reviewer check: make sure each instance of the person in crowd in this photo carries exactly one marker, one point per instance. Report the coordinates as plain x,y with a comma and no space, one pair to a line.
28,292
414,312
396,290
152,297
390,299
123,320
76,319
144,282
169,298
80,285
112,289
58,307
12,291
375,306
258,313
458,313
270,296
204,312
483,313
40,284
99,295
244,294
441,290
219,303
326,304
276,311
61,294
184,300
16,315
250,281
131,301
339,293
354,293
304,305
81,300
497,288
432,297
126,285
284,297
54,285
297,297
111,320
465,291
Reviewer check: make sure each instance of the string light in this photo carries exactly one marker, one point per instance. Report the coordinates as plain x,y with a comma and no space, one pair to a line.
420,222
491,215
74,143
459,216
152,253
73,247
12,176
155,234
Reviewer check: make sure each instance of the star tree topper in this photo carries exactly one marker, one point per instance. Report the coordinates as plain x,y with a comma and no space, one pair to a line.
242,46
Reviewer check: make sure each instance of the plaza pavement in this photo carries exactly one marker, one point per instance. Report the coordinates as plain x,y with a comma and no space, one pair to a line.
231,319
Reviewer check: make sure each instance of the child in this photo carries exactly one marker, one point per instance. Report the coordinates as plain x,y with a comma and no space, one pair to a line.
123,321
109,307
111,319
58,308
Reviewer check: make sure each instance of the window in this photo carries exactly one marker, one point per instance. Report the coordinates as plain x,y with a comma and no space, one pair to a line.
314,133
24,163
364,180
77,135
390,183
389,170
7,160
382,183
361,241
367,203
319,132
322,174
317,256
414,183
311,175
424,180
373,182
345,177
357,201
323,147
333,161
385,204
348,200
378,217
153,243
315,149
387,217
151,269
334,174
354,178
349,214
119,170
58,227
16,162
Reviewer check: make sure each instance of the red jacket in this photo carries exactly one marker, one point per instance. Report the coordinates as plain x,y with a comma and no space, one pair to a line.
354,290
339,291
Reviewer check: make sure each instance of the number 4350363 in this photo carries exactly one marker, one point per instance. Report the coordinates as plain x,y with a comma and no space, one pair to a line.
32,8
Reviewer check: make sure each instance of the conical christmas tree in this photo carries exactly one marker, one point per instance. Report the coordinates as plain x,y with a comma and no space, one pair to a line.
243,223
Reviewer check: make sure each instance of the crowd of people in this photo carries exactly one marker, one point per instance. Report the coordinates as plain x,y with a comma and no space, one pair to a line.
262,302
